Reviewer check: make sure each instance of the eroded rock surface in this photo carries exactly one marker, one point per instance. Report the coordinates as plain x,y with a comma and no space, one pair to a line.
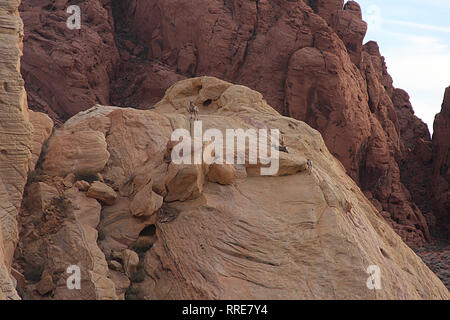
306,57
67,71
176,232
15,139
441,166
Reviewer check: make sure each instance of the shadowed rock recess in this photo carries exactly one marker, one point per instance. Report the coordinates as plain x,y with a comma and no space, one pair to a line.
101,192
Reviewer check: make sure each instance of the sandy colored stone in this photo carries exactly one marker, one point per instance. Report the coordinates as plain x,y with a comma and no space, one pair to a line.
306,235
69,180
102,192
7,288
222,173
81,152
300,234
130,262
86,210
115,265
40,196
45,285
146,202
121,281
61,232
16,139
82,185
119,228
42,129
184,181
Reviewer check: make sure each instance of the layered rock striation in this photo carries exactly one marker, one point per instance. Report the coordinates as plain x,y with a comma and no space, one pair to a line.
15,139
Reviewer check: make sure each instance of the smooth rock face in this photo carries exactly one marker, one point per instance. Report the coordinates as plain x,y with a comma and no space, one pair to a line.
306,57
306,235
102,192
16,139
185,182
146,202
222,173
441,166
82,152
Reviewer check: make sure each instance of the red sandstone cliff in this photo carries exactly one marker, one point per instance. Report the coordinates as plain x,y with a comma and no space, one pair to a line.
307,58
441,165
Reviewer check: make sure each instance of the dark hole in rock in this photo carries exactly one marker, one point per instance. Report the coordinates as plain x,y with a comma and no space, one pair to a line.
145,241
207,102
148,231
384,253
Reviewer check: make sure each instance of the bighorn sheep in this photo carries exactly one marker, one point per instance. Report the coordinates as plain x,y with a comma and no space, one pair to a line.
281,147
310,165
193,111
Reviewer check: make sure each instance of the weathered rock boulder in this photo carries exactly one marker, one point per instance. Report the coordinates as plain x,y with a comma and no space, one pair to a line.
81,152
102,193
222,173
185,181
146,202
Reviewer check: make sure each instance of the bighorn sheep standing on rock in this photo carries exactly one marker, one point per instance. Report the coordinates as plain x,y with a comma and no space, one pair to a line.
281,147
193,110
310,165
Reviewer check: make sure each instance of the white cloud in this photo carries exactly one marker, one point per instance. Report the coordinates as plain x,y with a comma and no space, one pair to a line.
418,25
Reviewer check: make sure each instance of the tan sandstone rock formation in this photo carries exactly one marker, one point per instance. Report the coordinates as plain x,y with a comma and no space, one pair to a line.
82,152
309,233
102,192
15,138
304,235
56,235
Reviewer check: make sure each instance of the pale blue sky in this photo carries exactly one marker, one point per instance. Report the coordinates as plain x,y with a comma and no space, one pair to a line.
414,36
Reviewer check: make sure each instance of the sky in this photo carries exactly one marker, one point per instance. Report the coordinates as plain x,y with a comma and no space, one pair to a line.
414,37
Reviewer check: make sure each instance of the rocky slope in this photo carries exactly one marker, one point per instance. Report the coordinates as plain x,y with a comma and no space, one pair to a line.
306,57
142,227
